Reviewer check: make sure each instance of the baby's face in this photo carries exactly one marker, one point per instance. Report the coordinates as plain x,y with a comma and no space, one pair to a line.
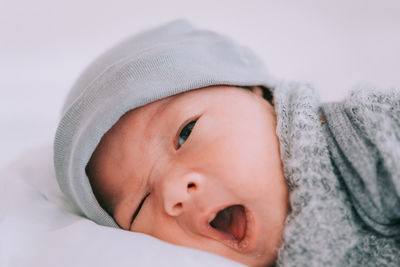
200,169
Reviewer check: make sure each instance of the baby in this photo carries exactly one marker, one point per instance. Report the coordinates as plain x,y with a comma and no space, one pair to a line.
181,134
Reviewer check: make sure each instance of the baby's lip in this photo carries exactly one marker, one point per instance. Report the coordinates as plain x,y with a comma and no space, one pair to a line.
241,240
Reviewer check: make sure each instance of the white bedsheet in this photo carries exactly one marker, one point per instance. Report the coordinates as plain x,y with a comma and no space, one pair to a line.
39,228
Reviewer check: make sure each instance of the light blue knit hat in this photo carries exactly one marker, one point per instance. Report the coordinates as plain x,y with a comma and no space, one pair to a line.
154,64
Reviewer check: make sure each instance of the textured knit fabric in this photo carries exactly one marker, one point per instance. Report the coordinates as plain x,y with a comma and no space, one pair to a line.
323,228
164,61
363,134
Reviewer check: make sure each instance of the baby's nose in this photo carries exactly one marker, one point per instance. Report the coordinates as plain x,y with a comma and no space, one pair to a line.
179,192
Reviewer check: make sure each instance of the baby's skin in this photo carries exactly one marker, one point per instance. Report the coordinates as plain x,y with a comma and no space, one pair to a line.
200,169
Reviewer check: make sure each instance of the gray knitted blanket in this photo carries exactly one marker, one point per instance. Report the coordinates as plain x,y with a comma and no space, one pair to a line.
325,226
363,135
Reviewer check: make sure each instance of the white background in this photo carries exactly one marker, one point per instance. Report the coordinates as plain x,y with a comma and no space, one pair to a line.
45,44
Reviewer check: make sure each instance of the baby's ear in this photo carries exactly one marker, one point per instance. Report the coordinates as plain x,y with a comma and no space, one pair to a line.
257,90
264,92
261,91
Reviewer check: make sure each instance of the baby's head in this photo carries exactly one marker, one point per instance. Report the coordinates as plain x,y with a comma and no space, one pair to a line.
199,169
176,141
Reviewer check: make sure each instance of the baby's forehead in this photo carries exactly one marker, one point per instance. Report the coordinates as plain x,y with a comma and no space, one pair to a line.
140,120
145,115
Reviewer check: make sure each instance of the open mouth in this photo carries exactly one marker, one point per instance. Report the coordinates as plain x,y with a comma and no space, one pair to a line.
231,221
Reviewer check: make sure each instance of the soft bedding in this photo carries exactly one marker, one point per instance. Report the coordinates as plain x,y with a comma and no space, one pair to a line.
39,228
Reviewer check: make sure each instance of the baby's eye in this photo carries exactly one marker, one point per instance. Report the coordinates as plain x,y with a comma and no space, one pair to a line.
139,207
184,134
